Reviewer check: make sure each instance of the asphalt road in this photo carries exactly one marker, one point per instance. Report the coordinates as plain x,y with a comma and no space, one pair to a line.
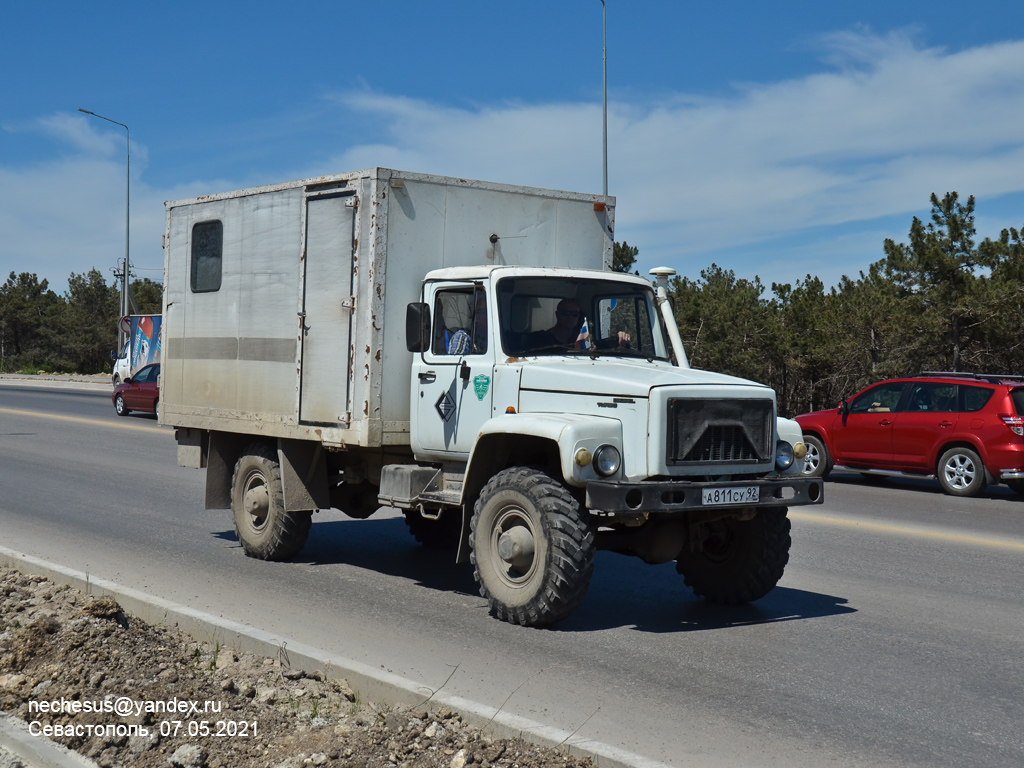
896,637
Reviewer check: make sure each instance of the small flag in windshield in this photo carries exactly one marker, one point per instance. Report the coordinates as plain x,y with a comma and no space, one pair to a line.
583,340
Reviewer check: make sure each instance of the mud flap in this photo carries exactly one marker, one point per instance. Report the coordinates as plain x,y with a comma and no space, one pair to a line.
303,475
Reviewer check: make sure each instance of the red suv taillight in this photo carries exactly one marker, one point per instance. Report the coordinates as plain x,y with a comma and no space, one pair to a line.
1015,423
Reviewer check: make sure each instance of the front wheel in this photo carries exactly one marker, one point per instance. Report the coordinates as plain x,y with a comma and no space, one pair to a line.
734,562
120,407
817,462
961,472
265,530
532,548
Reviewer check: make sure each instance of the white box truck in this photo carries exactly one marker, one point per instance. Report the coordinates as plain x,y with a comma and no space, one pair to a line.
461,351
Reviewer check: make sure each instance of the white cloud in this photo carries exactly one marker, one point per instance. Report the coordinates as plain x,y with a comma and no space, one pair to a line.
69,216
874,136
884,124
81,133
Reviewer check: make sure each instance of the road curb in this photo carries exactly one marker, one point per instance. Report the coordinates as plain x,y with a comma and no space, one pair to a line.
374,684
38,751
58,382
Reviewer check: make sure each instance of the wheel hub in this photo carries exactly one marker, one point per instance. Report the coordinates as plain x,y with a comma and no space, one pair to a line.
516,547
257,503
959,472
811,460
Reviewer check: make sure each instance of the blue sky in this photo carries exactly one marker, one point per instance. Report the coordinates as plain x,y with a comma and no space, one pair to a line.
775,139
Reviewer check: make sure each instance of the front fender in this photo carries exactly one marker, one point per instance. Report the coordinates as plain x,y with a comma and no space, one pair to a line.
569,432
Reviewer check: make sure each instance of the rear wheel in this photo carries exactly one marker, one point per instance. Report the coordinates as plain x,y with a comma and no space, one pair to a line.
532,548
265,530
817,462
120,407
738,561
961,472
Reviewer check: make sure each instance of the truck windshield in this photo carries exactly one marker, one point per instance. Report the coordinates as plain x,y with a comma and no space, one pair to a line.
559,316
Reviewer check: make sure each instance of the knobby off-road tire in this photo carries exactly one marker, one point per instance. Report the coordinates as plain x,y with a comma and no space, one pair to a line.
532,548
119,407
817,462
961,472
739,560
441,534
264,528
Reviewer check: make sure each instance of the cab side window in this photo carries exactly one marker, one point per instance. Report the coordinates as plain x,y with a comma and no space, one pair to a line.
884,398
460,326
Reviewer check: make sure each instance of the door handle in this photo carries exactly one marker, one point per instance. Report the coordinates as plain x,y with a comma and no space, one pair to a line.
427,377
884,423
945,423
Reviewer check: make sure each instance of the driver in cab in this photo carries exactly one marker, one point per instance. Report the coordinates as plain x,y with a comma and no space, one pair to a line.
570,330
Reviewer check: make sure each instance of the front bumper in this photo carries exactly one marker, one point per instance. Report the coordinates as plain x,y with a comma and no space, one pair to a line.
666,496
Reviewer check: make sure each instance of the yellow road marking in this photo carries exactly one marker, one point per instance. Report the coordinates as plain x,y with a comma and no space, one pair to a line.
918,532
79,420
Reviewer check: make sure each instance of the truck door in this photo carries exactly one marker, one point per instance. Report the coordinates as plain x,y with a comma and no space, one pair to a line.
327,304
452,379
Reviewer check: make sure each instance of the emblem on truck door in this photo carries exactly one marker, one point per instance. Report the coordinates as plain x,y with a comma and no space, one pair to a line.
480,385
445,406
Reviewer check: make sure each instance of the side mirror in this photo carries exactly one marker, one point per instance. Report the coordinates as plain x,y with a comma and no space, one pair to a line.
113,354
417,327
844,408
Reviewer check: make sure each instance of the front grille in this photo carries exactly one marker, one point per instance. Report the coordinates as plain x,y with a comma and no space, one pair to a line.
719,431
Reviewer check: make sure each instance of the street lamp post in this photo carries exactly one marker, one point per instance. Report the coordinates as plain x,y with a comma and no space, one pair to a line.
604,57
127,219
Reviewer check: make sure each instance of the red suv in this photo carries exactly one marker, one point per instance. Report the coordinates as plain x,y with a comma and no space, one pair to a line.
966,429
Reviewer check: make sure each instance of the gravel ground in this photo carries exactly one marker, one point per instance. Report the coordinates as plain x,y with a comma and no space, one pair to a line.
60,645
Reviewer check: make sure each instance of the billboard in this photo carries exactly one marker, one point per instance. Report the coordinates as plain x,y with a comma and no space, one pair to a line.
144,341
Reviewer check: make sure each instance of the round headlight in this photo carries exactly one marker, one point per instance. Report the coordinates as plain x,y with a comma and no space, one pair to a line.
607,460
783,455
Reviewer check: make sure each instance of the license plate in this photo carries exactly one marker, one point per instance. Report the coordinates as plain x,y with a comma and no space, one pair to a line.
735,494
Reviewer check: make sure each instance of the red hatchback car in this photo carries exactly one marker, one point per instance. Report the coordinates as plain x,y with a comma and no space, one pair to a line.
965,429
140,392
